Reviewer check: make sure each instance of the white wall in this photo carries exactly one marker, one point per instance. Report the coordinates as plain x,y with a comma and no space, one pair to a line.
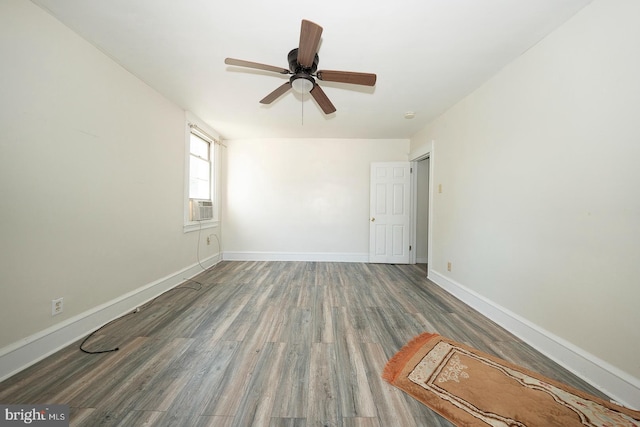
301,198
91,186
540,209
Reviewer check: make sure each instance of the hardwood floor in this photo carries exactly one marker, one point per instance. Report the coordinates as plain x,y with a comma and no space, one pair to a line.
267,344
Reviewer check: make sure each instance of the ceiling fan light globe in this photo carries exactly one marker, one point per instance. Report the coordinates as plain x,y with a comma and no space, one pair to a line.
302,85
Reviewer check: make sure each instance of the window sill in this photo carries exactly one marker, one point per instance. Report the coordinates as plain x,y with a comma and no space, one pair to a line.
200,225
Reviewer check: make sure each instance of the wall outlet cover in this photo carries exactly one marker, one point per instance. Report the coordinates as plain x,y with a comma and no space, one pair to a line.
57,305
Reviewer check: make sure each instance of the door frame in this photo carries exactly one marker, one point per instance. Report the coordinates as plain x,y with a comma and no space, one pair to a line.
414,206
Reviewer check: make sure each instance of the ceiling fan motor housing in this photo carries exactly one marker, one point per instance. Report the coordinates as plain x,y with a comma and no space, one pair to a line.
297,68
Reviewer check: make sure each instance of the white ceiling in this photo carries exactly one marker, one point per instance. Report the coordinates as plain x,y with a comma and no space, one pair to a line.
427,54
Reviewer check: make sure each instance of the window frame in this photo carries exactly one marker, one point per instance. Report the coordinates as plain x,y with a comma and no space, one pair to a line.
193,125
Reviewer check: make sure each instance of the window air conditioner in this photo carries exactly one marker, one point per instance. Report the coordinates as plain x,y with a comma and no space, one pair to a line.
201,210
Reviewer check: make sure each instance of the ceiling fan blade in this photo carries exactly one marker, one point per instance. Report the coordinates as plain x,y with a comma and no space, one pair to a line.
322,100
281,90
309,41
365,79
249,64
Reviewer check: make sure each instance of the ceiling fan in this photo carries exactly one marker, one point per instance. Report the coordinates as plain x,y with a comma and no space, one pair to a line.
303,67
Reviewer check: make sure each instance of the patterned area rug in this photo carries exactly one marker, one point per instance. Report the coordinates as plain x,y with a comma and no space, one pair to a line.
471,388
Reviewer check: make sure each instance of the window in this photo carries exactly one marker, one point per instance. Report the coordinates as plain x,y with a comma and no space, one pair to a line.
199,168
201,195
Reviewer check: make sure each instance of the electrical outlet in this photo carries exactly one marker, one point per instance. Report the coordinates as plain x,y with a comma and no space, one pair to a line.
449,266
56,306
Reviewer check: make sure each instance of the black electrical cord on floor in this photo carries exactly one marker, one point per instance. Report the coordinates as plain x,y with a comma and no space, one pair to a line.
93,333
130,313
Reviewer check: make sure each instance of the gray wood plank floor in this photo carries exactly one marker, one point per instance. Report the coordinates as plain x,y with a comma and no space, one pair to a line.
272,344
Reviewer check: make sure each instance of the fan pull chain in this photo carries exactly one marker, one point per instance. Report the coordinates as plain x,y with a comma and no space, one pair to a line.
302,110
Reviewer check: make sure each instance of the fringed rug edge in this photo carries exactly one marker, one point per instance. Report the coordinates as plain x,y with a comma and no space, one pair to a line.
394,366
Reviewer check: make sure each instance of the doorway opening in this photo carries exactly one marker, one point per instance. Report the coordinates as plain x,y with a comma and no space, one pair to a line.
421,235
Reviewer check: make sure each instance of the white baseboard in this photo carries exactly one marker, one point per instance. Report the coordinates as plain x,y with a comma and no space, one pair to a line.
619,385
296,256
24,353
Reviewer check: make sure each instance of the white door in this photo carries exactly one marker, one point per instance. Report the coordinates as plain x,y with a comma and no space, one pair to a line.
389,213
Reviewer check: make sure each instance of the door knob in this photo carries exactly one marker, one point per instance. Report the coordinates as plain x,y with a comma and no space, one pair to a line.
373,219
